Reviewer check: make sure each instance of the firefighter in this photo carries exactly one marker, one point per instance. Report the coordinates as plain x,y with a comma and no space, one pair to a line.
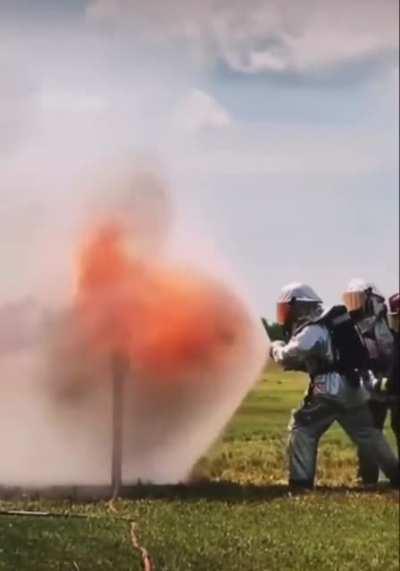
367,307
393,386
335,392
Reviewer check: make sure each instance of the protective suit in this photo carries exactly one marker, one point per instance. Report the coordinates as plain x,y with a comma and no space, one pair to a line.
330,396
367,307
393,384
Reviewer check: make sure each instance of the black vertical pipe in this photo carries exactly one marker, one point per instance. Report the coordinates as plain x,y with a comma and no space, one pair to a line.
118,373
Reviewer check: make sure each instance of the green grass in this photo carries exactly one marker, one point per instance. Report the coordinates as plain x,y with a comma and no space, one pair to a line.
266,410
64,543
237,516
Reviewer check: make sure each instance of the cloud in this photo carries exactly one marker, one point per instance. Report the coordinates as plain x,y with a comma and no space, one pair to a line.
199,111
264,36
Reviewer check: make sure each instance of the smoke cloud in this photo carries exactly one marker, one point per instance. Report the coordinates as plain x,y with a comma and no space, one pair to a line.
273,36
190,347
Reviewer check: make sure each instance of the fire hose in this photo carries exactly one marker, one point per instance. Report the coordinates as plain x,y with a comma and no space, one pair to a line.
147,561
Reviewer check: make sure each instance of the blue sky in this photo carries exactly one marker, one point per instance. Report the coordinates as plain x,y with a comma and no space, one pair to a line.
276,128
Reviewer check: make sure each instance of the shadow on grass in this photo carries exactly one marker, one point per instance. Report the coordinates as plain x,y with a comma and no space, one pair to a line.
230,492
222,491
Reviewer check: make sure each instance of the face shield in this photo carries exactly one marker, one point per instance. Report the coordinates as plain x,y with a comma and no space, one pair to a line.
284,313
354,300
295,302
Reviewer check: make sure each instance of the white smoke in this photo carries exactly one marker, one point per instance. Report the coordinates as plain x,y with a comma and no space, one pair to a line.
55,393
17,104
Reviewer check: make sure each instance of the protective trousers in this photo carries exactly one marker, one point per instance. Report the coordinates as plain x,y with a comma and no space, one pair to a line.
368,468
314,418
395,423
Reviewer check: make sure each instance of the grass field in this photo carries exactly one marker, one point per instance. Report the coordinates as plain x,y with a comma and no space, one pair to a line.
237,515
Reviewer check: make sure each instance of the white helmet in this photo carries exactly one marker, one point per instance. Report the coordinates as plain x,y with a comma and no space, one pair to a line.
356,293
361,285
291,293
297,291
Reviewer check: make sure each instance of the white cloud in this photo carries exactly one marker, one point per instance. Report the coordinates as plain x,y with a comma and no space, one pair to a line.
263,35
198,112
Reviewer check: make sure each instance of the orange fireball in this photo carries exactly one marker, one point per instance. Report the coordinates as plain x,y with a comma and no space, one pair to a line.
168,322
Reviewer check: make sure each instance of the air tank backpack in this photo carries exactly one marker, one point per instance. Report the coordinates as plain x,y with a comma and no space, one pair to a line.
350,353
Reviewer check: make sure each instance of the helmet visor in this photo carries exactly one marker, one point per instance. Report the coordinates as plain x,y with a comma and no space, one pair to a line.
283,312
354,300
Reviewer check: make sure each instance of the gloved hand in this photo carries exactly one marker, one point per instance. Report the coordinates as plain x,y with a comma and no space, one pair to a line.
275,345
384,384
374,384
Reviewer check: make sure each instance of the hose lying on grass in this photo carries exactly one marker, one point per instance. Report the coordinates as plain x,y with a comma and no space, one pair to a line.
147,561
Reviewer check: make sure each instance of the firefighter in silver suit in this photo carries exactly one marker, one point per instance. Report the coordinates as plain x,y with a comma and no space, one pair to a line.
393,386
332,395
368,310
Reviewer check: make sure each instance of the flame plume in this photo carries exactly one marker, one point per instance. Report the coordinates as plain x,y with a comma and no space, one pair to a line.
167,322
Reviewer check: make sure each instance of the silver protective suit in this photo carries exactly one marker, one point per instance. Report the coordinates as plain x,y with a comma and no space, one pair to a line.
372,324
376,333
311,349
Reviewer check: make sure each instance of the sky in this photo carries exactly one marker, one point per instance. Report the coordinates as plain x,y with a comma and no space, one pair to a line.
275,124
